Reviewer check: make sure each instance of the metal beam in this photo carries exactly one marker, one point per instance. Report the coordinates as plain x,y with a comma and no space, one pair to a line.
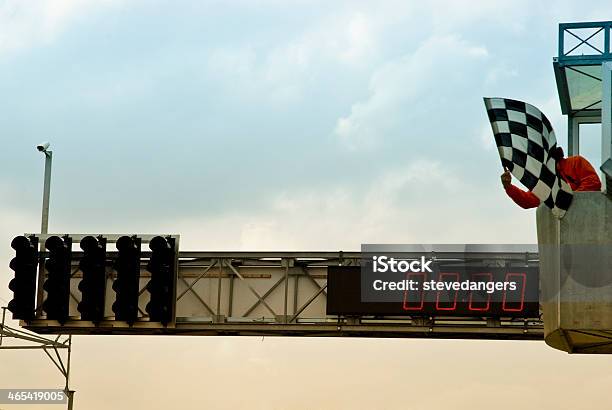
225,300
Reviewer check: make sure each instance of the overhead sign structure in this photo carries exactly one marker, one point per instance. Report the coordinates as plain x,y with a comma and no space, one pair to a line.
142,284
84,286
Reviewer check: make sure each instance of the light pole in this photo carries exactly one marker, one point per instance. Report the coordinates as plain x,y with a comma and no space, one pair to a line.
44,228
44,148
44,224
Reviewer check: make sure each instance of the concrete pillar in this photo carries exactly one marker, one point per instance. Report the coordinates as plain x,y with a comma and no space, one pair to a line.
573,136
576,274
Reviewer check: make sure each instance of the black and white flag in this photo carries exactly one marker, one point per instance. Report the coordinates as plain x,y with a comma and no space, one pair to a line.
525,140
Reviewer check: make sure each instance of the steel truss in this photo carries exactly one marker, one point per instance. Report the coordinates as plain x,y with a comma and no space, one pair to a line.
51,347
283,294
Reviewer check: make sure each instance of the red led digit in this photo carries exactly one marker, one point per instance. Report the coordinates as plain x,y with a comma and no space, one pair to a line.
420,278
520,288
475,305
453,277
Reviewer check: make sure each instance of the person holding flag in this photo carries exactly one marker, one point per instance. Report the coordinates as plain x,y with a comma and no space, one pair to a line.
528,150
574,170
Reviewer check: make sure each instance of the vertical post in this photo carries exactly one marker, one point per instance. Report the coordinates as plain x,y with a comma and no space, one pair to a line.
286,263
606,114
218,313
2,329
296,280
607,30
561,50
230,302
69,393
573,136
44,226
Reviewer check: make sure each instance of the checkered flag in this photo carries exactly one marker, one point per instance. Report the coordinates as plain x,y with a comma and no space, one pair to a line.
525,140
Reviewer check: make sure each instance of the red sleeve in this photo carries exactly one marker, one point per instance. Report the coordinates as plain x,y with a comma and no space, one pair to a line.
524,199
586,177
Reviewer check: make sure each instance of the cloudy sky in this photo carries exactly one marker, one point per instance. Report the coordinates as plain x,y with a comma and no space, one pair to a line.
276,125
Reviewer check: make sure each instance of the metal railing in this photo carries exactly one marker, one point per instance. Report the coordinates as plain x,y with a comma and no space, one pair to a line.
591,40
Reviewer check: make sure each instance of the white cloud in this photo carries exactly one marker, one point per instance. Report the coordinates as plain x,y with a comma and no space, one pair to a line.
29,23
405,84
449,15
282,71
359,37
500,73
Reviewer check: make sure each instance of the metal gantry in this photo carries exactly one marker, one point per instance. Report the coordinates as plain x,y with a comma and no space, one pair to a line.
265,294
282,294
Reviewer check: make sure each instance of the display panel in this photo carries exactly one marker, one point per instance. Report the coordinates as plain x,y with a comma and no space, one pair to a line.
464,292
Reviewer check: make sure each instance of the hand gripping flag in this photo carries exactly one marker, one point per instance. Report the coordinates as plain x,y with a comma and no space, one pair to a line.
525,140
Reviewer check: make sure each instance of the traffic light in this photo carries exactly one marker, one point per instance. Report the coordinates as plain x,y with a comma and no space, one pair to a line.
24,284
161,286
57,284
93,284
126,286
